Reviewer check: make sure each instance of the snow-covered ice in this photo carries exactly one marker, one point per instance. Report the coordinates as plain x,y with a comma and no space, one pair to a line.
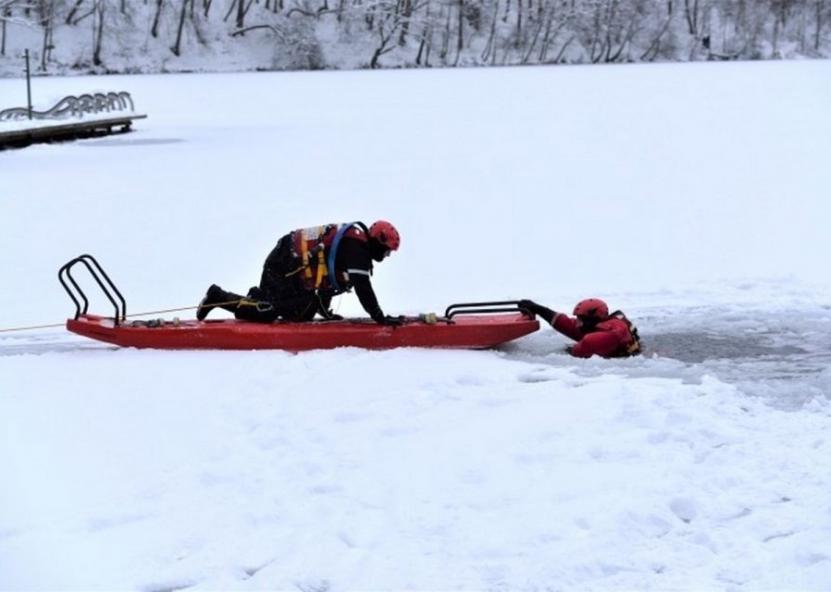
693,197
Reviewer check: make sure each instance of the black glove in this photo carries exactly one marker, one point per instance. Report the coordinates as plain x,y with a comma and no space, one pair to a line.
391,321
530,306
537,309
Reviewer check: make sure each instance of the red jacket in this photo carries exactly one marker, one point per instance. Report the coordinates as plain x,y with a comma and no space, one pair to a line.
611,338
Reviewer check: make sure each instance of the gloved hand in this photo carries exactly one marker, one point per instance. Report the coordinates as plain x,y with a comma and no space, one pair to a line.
391,321
537,309
530,306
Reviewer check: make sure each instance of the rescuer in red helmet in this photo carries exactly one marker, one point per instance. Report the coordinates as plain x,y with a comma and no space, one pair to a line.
595,330
307,268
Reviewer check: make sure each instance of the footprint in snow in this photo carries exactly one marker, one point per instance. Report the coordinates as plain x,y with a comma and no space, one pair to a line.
325,489
534,377
313,586
351,417
168,587
684,508
469,380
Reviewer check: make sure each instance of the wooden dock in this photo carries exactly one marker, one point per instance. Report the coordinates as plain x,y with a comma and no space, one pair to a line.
67,130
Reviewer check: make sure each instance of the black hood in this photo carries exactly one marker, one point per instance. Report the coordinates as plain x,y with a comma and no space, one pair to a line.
377,250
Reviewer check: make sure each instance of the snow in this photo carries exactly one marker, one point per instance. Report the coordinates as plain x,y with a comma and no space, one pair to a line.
151,37
693,197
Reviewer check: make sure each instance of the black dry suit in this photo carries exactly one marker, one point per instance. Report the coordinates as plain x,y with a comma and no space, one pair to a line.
307,268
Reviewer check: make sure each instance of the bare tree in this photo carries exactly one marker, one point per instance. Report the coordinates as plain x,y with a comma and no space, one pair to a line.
100,8
387,21
692,15
70,16
459,31
549,23
46,18
608,28
5,13
154,30
426,40
819,15
781,10
489,52
9,10
406,8
177,46
240,9
658,36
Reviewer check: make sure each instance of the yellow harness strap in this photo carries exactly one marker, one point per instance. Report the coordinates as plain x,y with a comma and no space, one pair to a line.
304,255
305,263
322,270
259,305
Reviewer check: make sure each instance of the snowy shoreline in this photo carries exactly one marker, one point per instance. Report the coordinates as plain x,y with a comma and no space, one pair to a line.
286,36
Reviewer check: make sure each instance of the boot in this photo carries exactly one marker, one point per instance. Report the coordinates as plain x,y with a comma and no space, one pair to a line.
216,296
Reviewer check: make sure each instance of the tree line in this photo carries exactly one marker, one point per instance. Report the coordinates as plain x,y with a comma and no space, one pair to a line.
403,33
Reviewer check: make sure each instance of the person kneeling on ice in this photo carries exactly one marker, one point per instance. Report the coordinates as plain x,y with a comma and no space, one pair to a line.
595,330
306,269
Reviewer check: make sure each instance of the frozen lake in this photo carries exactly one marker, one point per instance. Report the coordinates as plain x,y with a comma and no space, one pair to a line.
693,197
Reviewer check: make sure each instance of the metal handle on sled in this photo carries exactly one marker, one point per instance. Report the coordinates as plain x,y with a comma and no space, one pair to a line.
94,269
484,308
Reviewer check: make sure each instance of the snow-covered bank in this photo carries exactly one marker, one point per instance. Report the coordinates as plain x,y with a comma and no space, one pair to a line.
695,198
465,471
77,36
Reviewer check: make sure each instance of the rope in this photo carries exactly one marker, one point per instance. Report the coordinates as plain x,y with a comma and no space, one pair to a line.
135,314
31,327
213,304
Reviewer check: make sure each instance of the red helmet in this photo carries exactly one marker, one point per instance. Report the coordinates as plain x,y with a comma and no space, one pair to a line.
386,234
592,308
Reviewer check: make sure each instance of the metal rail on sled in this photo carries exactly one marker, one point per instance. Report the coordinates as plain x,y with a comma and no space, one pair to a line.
65,273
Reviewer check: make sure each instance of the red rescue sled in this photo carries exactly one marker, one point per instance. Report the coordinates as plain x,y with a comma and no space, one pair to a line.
470,326
472,331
